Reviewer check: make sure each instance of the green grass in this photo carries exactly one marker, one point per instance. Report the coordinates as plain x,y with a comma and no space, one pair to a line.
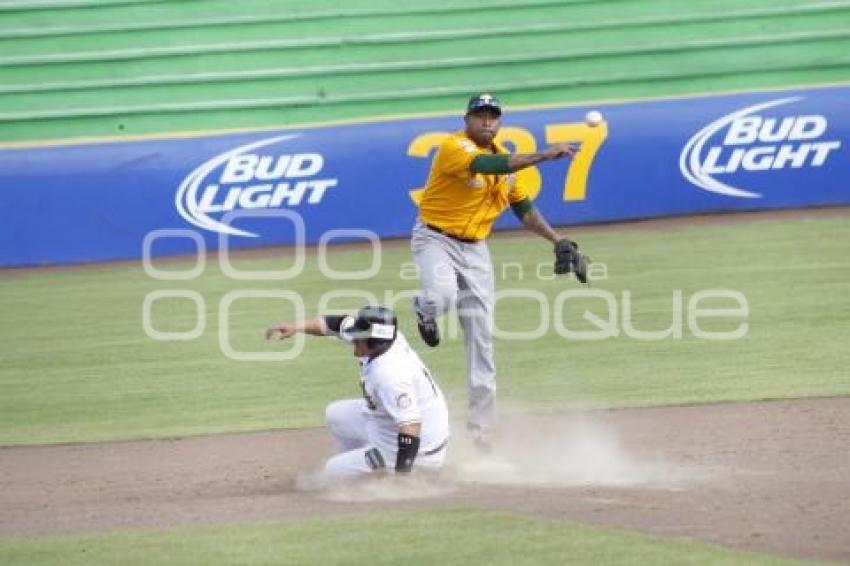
452,537
76,364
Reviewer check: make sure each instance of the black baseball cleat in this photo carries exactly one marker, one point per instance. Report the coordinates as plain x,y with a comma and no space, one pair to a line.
428,330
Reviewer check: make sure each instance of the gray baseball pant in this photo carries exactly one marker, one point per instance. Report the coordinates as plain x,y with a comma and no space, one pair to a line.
454,273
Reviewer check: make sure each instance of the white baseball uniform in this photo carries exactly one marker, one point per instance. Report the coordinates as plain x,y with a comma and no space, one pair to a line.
397,389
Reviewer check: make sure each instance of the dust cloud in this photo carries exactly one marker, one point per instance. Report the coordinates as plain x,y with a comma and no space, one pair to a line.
528,451
558,450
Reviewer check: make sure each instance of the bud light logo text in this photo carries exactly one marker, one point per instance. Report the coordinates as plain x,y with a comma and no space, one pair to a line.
260,174
755,143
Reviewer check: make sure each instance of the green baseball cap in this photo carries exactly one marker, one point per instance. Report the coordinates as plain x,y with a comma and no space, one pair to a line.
484,100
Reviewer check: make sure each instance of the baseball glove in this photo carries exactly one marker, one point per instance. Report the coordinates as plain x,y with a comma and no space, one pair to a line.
569,259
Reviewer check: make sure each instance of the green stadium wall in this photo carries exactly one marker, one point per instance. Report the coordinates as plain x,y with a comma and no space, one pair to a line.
124,68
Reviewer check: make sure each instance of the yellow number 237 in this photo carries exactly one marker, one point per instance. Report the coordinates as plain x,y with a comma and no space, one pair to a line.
521,140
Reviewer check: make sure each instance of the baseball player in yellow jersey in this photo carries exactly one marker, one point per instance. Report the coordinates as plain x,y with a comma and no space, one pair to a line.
470,184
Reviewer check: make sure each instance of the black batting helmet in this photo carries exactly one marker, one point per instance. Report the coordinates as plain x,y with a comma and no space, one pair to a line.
376,324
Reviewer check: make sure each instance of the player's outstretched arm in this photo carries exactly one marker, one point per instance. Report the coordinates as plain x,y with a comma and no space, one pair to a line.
519,161
283,330
504,163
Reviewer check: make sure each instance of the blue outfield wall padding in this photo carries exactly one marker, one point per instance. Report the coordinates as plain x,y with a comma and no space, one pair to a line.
100,201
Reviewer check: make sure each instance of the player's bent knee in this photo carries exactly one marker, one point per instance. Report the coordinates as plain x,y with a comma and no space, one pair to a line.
331,413
336,413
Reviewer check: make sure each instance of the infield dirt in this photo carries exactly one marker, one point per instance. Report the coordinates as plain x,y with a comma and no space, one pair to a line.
770,476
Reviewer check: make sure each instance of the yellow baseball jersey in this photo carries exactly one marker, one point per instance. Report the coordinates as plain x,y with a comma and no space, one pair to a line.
463,203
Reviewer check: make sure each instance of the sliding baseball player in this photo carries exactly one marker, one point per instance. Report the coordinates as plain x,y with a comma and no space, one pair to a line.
402,420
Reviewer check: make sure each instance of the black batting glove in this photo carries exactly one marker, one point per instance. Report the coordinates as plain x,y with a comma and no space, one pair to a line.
408,447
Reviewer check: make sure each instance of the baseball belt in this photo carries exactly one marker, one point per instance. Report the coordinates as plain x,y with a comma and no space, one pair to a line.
450,235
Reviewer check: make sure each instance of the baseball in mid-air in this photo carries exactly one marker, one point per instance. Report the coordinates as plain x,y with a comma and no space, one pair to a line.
593,118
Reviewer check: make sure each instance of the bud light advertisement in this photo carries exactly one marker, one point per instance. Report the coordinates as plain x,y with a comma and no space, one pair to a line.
100,201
